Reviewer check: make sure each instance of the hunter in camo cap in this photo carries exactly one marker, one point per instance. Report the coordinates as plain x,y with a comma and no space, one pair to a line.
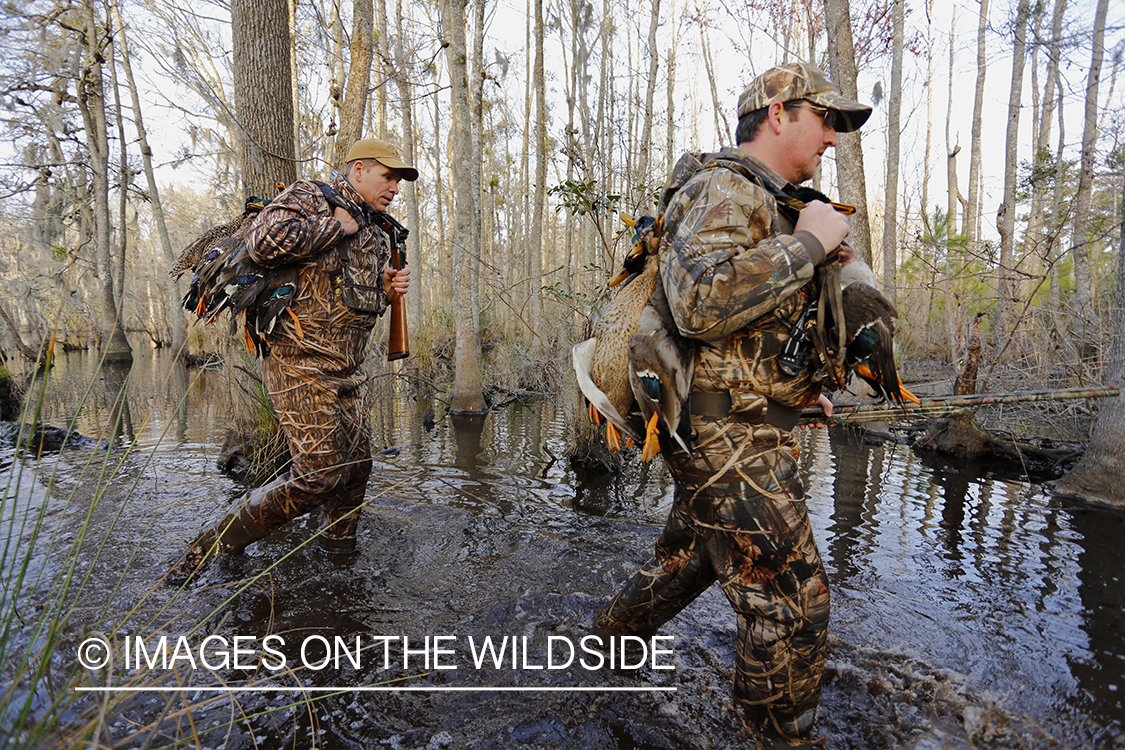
800,81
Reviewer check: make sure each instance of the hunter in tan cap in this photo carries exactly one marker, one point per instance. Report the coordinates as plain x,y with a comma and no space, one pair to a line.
384,153
801,81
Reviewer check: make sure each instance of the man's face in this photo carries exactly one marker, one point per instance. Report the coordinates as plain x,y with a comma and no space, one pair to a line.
376,184
806,138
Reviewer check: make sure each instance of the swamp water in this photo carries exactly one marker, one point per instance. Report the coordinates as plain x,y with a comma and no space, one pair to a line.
968,611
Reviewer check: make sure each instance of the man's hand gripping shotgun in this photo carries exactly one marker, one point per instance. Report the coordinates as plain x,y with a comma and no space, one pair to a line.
398,346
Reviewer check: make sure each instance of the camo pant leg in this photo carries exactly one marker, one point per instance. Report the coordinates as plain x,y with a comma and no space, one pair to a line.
326,427
342,513
678,573
768,566
739,518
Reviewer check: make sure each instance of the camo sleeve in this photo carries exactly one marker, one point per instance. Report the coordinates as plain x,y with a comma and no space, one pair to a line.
725,264
293,226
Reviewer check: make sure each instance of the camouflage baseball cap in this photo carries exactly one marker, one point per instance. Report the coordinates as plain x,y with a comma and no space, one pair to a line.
800,81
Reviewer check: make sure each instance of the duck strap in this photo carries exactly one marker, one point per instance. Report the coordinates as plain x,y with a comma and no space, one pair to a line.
831,303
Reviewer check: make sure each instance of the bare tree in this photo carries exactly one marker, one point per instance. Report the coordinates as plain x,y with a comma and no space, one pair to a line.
972,213
91,102
1006,285
849,152
172,303
1039,234
1097,477
952,147
1079,248
650,90
354,106
894,133
535,247
467,397
402,65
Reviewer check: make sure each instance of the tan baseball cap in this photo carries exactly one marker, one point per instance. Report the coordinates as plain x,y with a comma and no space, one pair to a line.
800,81
384,153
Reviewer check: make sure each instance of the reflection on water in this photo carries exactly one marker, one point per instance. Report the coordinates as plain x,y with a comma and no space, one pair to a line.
1018,595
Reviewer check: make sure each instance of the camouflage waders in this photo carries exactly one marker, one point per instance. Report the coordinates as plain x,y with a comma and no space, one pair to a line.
314,372
739,519
738,277
325,424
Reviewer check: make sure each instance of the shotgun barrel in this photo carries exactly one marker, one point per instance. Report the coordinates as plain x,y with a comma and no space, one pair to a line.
936,407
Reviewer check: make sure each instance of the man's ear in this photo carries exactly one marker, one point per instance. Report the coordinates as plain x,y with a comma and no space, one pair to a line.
776,117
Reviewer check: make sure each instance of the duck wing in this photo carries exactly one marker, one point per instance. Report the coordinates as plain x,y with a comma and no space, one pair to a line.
582,356
870,327
661,371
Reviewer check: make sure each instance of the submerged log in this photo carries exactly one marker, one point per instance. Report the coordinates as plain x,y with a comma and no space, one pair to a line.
960,437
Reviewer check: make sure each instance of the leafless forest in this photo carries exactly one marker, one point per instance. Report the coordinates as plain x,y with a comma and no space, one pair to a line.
990,181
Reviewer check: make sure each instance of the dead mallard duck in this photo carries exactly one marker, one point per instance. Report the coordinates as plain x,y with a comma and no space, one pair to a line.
601,362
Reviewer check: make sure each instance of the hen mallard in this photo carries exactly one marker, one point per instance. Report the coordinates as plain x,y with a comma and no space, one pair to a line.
661,370
601,362
869,332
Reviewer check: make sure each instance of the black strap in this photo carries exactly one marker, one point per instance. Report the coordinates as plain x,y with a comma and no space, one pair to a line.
335,200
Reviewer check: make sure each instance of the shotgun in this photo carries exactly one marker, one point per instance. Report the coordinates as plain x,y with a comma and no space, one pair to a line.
938,407
399,344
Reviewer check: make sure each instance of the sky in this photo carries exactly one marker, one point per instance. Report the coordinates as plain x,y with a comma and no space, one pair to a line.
506,25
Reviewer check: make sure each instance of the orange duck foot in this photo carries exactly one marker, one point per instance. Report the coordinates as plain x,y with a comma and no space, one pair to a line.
612,438
652,440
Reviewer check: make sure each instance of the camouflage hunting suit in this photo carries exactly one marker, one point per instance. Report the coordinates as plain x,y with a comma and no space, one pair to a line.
737,278
314,372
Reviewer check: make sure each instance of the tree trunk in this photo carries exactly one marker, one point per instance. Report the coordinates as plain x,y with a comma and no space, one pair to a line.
952,149
524,218
476,192
467,397
972,214
722,133
535,249
670,138
849,152
930,76
1079,247
263,75
1052,102
354,106
91,101
382,54
402,71
125,178
1097,477
650,91
1006,283
894,132
176,318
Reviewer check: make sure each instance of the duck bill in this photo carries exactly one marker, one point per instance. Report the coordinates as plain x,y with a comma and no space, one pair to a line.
621,276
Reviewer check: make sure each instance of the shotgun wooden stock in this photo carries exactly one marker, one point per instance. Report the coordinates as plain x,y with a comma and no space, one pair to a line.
398,345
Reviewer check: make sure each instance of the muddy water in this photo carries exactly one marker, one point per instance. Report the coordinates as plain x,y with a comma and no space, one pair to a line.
969,609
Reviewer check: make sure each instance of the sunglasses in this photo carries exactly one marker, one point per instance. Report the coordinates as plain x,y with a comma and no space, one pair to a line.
826,114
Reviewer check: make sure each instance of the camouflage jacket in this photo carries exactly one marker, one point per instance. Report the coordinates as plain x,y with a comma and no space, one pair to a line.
738,277
297,227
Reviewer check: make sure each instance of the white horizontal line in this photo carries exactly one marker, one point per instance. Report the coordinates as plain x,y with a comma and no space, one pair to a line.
371,689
